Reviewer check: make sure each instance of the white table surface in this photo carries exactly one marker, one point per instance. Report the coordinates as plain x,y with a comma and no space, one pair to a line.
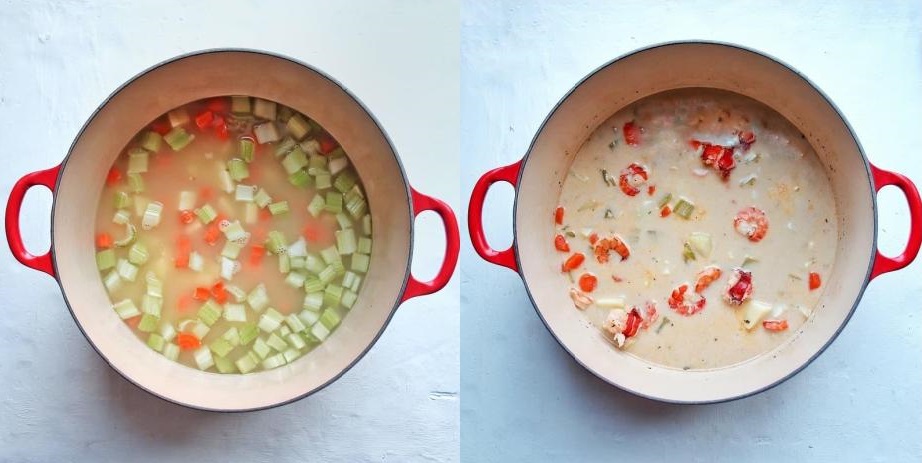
58,400
525,399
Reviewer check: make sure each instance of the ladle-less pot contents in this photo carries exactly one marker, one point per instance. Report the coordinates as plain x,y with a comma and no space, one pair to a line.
233,235
694,229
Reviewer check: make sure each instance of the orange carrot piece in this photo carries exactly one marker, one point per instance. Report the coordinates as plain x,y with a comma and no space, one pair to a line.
573,261
184,302
256,254
588,282
104,240
212,233
200,294
219,293
113,177
205,193
815,281
558,215
188,341
186,217
133,321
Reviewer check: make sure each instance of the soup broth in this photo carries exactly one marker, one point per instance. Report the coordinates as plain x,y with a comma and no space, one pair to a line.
233,235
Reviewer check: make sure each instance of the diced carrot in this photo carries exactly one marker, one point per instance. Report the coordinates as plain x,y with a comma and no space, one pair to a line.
264,214
184,302
161,126
186,217
204,120
651,189
593,238
181,261
200,294
212,233
205,193
188,341
219,293
775,325
133,321
814,280
327,143
218,104
573,261
558,215
221,130
588,282
665,211
631,134
560,243
104,240
113,177
183,244
256,254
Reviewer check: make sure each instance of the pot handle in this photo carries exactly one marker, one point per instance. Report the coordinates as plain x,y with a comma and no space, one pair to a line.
47,178
510,175
882,263
422,203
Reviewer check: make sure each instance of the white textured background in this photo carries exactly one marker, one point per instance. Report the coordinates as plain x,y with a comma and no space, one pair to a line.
58,399
525,399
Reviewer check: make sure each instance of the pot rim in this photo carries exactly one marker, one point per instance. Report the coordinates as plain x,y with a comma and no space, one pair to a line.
356,100
524,161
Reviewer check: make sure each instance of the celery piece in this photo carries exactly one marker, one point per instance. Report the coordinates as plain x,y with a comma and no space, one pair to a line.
279,208
240,104
206,213
701,243
154,285
221,347
267,132
309,317
203,358
316,162
313,264
121,217
178,138
298,126
167,331
151,304
231,250
148,323
244,193
246,149
264,109
277,343
360,263
126,309
210,312
291,354
354,287
334,202
247,363
343,220
235,312
135,183
137,161
366,225
238,294
186,200
330,255
298,248
327,274
250,213
122,200
224,177
260,348
228,268
345,241
258,299
262,198
248,333
151,217
295,160
285,146
275,242
196,262
294,323
338,268
274,361
356,206
320,332
233,231
330,318
348,279
237,168
364,245
684,208
151,141
270,320
284,330
313,301
232,335
126,270
322,181
155,341
284,113
171,351
296,341
348,299
137,254
345,181
332,295
223,365
316,205
338,164
313,284
300,179
105,259
295,262
112,281
295,279
178,117
337,153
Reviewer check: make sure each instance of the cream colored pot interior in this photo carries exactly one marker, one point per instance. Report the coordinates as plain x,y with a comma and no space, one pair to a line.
653,71
212,74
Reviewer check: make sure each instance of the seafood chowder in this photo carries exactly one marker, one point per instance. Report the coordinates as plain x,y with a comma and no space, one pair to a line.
694,229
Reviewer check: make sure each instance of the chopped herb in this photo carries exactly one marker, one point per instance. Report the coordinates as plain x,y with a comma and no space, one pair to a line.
570,233
580,177
664,200
749,180
748,260
795,276
608,179
609,214
591,204
687,253
662,324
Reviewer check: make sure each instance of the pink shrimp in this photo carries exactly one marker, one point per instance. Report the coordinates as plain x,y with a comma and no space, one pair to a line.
684,307
752,223
632,177
739,288
580,299
604,246
706,277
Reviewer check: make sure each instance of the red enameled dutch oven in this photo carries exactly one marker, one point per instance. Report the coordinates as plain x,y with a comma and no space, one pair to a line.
679,65
78,181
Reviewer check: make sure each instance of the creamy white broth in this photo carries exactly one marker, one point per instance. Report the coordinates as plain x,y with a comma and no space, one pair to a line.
785,180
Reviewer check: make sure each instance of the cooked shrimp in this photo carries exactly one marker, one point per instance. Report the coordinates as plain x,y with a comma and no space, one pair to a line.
751,223
614,325
678,303
718,157
739,288
580,299
775,325
632,178
650,315
604,246
706,277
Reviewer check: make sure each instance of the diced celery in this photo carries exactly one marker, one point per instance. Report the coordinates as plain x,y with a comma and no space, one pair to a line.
240,104
135,183
360,262
229,267
178,138
300,179
345,181
277,343
274,361
337,153
284,146
203,358
348,299
155,341
296,341
224,365
112,281
294,161
309,317
345,241
348,279
198,328
232,335
235,312
322,180
327,275
285,113
313,301
206,213
245,193
126,309
267,132
178,117
126,270
248,333
294,323
262,198
319,331
210,312
291,354
261,348
356,206
122,200
316,205
338,268
317,162
332,295
167,331
284,263
105,259
298,248
238,169
221,347
137,254
313,264
246,149
137,161
250,213
196,262
684,208
313,285
231,250
354,287
171,351
275,242
151,141
224,177
364,245
334,202
330,255
343,220
258,298
279,208
337,164
186,200
298,126
366,225
238,294
148,323
151,216
270,320
151,304
264,109
295,279
247,363
154,285
330,318
233,231
296,263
